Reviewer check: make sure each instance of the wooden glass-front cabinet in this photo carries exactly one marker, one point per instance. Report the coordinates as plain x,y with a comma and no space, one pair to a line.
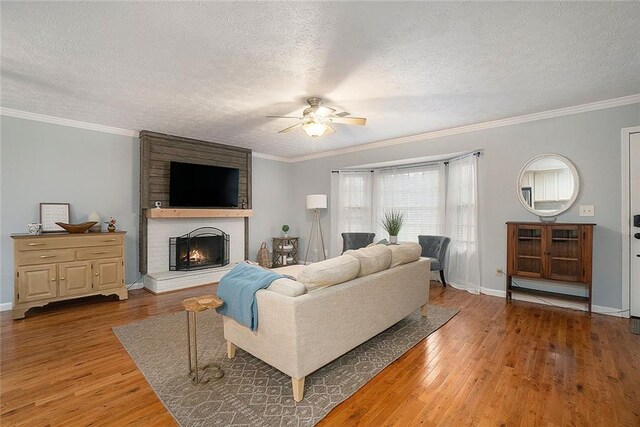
552,252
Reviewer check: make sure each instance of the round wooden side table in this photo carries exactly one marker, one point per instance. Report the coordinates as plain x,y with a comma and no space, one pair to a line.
192,307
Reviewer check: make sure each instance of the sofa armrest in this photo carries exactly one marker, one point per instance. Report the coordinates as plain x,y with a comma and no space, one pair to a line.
287,287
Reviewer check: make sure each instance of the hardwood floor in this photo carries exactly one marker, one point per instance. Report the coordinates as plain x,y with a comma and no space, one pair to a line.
492,364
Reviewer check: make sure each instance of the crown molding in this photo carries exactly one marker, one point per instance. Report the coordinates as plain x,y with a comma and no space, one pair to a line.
65,122
272,157
583,108
599,105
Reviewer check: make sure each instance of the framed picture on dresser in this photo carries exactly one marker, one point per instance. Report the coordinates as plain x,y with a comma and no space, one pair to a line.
50,213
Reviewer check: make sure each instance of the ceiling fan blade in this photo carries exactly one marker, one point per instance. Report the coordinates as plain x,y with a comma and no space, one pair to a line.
343,113
290,128
349,120
282,117
324,111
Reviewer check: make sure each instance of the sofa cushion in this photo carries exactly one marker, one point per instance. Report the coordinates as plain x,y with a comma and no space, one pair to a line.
329,272
293,270
372,259
404,253
287,287
381,242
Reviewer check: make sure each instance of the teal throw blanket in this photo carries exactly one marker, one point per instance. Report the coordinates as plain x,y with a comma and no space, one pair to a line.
238,290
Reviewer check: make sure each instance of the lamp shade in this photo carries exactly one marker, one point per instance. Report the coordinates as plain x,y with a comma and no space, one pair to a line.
317,201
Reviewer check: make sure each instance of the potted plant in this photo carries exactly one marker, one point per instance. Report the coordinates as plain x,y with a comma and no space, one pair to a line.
285,229
392,223
111,224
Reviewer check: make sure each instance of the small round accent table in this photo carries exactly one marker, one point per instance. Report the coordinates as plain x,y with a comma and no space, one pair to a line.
193,306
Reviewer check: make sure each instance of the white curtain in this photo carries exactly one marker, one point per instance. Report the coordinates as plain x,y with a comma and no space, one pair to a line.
463,266
416,191
351,201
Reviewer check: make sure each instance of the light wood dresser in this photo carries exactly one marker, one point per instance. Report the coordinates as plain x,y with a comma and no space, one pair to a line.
62,266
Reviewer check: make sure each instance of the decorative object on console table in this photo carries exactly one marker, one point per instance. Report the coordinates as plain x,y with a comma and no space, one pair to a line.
285,230
111,224
316,202
392,223
285,251
553,252
50,213
95,216
56,267
34,228
77,228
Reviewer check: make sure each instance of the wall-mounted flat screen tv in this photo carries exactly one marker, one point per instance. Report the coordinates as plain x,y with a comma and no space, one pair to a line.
203,186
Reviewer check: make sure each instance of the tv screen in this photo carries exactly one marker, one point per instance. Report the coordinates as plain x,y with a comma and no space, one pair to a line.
203,186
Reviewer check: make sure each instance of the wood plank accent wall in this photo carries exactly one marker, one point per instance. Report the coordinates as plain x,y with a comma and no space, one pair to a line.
157,150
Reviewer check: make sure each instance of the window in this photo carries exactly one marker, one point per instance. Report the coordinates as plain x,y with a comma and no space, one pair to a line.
418,192
355,201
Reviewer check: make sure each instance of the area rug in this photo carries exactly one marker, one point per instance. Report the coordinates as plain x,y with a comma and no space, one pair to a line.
252,392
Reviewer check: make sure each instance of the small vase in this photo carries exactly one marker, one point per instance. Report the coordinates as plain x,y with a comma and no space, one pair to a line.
111,228
393,240
286,235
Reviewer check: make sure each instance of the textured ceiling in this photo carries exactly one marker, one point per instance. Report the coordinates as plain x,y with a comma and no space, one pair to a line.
214,70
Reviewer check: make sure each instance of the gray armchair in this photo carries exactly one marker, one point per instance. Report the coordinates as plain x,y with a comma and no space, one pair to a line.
356,240
435,247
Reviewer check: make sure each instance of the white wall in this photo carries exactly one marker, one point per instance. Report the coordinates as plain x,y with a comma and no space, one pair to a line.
43,162
590,140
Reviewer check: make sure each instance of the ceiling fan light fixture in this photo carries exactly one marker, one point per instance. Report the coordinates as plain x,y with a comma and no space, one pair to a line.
315,130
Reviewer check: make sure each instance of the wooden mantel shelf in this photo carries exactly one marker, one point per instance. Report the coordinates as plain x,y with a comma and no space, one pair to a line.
198,213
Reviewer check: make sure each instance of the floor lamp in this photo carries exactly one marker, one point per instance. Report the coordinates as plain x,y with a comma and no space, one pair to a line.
316,202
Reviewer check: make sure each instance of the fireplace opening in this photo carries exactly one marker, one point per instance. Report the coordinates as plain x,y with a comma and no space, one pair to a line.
204,247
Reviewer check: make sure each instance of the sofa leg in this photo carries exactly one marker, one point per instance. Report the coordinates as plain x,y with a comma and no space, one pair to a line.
298,388
231,350
444,282
425,310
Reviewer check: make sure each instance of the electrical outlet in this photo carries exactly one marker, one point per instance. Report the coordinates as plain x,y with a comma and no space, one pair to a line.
587,210
499,271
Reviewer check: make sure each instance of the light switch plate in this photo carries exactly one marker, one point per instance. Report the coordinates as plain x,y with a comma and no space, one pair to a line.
587,210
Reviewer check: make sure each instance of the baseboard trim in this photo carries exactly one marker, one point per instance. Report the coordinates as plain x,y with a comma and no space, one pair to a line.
6,306
554,302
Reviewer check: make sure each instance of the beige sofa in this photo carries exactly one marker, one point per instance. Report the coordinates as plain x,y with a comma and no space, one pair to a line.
305,324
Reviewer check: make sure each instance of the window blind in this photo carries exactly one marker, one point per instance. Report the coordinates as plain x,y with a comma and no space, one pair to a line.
418,192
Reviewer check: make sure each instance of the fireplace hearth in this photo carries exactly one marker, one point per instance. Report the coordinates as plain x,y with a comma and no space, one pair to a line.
205,247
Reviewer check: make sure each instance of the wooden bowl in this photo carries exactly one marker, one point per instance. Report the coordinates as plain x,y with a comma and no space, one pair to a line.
77,228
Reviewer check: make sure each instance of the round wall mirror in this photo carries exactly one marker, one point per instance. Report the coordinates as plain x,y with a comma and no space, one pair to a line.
548,185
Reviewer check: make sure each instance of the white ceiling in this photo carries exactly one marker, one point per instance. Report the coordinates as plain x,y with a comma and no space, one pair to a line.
213,70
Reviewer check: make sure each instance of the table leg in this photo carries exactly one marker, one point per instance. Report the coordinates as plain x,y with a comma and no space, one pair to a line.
189,341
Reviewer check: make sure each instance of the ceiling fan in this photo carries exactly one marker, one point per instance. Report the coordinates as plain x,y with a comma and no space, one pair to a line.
316,119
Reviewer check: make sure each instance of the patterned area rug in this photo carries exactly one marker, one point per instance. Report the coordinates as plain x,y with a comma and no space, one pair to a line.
252,392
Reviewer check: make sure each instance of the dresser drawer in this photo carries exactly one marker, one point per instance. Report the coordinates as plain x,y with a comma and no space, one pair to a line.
69,241
45,257
98,252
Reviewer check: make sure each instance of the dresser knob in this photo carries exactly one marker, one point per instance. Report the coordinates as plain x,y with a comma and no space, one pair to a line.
62,278
53,279
97,274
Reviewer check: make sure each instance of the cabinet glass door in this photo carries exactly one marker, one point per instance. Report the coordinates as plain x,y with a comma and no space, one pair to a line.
563,250
529,251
